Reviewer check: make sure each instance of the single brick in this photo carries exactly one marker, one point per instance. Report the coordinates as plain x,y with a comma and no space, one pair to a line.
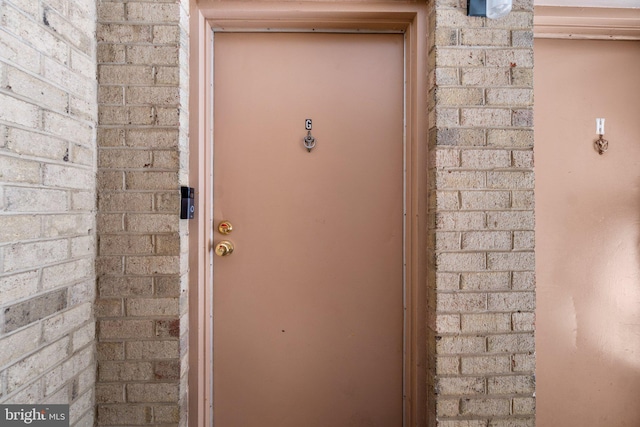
461,302
486,322
447,365
152,392
123,415
460,344
125,371
27,312
510,138
490,281
461,261
460,221
145,350
485,117
125,286
511,261
485,76
520,384
475,365
485,159
485,407
510,343
71,319
460,137
510,220
152,307
121,329
457,386
485,200
511,301
142,265
19,256
109,393
448,323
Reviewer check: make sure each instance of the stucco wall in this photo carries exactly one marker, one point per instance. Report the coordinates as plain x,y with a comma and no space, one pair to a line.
47,204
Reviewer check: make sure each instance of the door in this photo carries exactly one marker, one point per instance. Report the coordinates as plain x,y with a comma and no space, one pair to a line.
308,308
587,233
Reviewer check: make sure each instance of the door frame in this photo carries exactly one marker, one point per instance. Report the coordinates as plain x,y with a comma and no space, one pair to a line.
209,16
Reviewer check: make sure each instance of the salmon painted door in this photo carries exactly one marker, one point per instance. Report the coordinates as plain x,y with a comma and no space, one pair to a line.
308,308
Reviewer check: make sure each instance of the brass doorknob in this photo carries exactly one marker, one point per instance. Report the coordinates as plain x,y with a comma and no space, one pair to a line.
225,227
224,248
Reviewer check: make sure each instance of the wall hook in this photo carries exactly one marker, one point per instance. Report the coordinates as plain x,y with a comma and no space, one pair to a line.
602,145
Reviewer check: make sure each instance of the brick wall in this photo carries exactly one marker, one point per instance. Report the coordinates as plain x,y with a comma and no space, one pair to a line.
481,292
141,306
47,203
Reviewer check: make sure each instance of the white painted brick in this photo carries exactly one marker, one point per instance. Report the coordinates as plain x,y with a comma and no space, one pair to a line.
17,286
486,240
15,169
83,201
68,79
20,112
31,394
68,224
81,406
22,199
18,344
68,32
67,273
16,228
524,362
16,51
61,324
460,261
36,144
68,177
83,336
68,369
82,246
35,365
19,256
67,127
37,90
34,34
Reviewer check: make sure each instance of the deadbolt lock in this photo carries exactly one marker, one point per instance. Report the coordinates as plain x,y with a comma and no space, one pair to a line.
224,248
225,227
